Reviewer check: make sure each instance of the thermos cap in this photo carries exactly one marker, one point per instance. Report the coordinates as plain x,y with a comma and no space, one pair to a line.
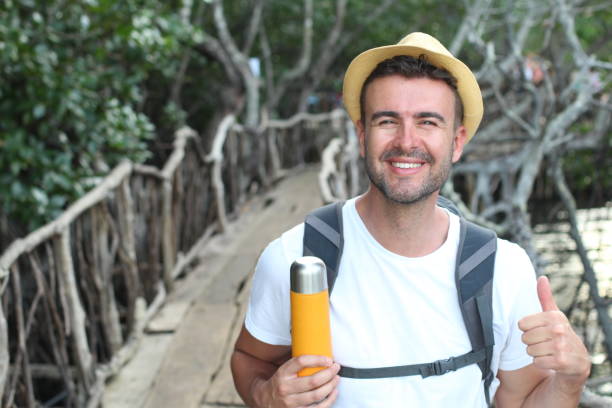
308,275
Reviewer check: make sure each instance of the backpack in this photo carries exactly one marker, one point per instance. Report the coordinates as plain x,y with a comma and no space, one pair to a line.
473,277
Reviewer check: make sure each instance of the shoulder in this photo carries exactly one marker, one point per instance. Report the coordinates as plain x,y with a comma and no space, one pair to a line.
514,278
507,253
281,252
291,242
271,278
513,271
511,256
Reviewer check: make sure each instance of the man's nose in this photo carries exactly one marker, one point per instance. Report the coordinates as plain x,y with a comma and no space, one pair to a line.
407,136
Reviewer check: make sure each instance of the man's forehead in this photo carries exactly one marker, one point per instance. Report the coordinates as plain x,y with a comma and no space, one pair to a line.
397,93
399,80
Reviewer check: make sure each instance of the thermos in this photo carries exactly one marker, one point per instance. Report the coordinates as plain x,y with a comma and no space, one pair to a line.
310,328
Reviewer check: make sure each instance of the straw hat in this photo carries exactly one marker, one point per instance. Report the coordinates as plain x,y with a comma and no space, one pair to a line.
415,44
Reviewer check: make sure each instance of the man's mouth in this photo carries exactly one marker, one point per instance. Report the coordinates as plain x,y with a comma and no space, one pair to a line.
403,165
406,160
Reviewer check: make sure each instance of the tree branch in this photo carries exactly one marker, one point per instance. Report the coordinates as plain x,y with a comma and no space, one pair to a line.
475,11
302,64
254,27
565,194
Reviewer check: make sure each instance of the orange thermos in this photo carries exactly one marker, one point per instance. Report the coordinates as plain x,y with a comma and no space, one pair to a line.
310,328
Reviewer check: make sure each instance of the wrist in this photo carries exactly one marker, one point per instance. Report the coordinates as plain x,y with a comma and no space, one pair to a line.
258,392
570,384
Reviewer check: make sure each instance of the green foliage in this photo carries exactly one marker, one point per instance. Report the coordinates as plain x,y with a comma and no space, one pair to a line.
72,94
593,27
86,84
590,172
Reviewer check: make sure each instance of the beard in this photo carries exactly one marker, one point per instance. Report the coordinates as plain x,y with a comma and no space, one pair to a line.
408,194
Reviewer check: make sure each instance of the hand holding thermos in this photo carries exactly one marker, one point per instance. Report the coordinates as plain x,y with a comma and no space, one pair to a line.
310,376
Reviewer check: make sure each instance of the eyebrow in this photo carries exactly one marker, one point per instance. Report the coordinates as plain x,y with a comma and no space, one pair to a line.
430,115
396,115
380,114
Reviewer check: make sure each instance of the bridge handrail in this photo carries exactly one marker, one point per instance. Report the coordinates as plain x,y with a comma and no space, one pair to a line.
91,323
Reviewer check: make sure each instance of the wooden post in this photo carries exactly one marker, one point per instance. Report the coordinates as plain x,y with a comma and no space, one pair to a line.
4,357
72,302
101,274
274,155
22,360
128,244
329,171
216,157
168,240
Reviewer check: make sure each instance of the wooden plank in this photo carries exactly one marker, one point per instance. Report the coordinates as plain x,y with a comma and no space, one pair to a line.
184,376
199,345
130,387
297,199
222,391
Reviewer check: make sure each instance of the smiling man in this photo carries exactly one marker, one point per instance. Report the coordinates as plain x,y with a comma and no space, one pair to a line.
405,302
393,142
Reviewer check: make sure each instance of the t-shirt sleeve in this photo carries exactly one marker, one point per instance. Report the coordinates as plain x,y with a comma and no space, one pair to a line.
268,314
524,303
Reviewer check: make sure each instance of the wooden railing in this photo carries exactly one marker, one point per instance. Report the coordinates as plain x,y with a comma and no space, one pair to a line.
76,294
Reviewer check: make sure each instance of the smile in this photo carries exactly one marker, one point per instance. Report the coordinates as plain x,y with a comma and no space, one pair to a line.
406,165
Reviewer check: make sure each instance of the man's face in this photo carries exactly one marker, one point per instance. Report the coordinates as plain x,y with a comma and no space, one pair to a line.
407,136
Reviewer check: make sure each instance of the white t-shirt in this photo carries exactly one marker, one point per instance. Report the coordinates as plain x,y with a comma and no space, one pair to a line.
389,310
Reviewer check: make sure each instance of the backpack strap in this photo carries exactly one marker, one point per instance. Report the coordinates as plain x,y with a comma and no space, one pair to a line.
323,238
449,205
474,281
425,370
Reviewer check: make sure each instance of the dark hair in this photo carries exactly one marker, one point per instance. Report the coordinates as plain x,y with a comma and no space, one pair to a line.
411,67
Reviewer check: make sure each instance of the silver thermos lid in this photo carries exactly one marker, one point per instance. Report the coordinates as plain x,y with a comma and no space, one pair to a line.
308,275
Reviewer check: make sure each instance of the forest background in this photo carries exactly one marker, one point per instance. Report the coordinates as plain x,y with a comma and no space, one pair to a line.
84,85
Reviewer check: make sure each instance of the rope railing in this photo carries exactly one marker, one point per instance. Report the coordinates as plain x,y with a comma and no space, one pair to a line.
77,294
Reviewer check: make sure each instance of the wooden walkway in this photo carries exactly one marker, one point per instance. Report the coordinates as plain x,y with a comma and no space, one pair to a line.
183,360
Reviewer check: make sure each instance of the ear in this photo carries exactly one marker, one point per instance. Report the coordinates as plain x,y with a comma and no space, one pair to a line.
460,139
361,135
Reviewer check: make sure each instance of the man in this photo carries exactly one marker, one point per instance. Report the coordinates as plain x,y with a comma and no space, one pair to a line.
395,300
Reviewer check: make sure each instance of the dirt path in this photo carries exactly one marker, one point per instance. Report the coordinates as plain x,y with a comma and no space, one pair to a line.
183,361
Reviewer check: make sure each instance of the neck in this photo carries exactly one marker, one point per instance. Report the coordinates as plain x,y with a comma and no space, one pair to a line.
410,230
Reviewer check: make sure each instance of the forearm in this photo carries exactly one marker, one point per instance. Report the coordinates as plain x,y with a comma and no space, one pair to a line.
250,375
555,391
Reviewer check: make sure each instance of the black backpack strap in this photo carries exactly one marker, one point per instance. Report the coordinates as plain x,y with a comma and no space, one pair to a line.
449,205
323,238
474,279
425,370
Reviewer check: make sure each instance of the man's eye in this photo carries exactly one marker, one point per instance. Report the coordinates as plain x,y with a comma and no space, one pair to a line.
429,123
386,123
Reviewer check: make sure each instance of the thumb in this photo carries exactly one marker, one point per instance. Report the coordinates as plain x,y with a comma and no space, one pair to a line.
545,295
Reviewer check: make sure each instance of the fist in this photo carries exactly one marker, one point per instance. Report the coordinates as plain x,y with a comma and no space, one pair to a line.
285,389
550,339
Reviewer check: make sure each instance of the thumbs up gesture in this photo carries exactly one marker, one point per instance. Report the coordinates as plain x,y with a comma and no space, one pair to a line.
550,339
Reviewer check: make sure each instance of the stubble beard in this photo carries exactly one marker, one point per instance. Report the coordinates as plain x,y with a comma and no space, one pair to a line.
399,195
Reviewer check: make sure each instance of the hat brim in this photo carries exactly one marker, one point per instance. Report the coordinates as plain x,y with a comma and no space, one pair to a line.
363,65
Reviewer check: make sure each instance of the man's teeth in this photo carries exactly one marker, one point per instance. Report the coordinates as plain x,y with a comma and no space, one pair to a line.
406,165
